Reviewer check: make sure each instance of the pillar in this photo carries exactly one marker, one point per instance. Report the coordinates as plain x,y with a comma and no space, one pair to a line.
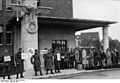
29,33
105,38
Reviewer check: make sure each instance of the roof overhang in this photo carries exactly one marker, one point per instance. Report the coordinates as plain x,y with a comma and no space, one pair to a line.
78,24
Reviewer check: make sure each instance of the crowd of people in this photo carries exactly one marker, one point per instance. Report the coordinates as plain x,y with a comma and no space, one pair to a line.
57,59
61,59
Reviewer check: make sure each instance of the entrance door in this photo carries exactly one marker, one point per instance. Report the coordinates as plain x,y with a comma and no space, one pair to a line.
60,44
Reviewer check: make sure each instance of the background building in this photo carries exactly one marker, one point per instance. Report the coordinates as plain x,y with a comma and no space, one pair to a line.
90,40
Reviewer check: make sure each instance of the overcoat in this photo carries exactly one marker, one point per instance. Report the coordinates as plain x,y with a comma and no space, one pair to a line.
19,62
108,55
48,59
35,60
91,59
84,58
6,65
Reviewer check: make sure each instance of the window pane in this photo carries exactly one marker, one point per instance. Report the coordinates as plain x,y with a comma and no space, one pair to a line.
8,28
0,38
8,41
9,38
9,35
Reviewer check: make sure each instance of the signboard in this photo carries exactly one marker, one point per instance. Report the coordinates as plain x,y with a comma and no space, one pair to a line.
43,51
7,58
58,57
24,55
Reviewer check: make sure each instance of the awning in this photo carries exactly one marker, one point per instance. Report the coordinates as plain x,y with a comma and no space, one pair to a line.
78,24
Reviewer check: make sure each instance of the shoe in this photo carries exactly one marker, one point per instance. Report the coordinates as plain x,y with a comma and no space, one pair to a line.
59,71
21,76
16,77
41,74
9,78
52,73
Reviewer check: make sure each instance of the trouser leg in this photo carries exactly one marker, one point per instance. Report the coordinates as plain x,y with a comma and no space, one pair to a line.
41,73
46,71
17,75
3,76
51,71
35,73
21,75
9,77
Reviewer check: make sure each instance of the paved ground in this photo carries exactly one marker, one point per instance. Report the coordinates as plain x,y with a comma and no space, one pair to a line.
73,74
105,74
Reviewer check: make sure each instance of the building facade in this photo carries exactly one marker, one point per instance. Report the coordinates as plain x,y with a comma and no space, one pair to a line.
56,29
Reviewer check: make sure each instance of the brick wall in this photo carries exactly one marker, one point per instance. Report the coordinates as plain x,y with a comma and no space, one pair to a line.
61,8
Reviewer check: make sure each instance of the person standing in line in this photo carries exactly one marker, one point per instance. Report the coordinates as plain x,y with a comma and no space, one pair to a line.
6,64
72,59
108,56
35,60
57,60
62,63
90,58
19,64
113,54
117,55
95,55
76,57
84,58
48,61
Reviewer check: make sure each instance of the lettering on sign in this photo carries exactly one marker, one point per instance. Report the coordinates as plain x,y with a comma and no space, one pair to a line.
7,58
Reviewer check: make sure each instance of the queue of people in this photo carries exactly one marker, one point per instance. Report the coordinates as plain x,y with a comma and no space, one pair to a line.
57,59
87,57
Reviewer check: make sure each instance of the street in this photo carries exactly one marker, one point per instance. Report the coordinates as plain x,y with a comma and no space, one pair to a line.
109,74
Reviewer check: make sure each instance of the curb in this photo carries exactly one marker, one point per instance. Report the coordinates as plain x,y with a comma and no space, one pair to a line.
75,74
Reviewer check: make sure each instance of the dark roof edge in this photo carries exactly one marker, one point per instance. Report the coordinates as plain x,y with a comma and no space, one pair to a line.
78,20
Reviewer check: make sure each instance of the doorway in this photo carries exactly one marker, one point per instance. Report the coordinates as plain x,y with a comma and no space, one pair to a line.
60,44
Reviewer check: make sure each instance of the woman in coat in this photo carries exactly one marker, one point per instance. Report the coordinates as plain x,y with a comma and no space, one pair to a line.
48,58
108,56
84,58
35,60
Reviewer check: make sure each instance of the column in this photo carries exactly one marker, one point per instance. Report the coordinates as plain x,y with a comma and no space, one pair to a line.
29,33
105,38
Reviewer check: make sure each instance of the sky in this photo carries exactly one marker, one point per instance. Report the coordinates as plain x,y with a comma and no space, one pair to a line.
108,10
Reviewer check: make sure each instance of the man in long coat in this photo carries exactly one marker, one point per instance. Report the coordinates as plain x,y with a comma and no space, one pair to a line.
35,60
19,63
48,58
95,56
6,64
